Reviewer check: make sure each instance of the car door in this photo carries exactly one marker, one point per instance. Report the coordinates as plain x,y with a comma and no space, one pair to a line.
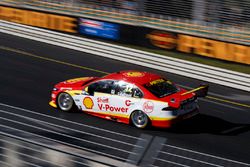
96,97
125,98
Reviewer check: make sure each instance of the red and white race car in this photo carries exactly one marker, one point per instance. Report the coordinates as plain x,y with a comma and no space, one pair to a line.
139,98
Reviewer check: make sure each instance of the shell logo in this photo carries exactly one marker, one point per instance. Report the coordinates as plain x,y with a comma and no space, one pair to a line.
163,39
134,74
88,103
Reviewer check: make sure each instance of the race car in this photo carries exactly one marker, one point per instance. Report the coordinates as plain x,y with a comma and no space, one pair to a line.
131,97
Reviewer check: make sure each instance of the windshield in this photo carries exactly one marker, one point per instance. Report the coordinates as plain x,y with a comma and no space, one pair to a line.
161,87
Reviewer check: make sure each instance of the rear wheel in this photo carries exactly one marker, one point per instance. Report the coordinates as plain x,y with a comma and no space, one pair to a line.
139,119
65,102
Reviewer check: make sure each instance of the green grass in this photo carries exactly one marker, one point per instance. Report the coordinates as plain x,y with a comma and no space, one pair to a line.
199,59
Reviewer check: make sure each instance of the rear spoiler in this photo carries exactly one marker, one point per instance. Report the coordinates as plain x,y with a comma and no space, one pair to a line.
201,91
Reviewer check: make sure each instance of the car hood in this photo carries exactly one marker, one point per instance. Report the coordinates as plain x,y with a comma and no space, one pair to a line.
76,82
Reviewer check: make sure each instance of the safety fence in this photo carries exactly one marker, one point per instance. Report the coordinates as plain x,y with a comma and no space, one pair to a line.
226,20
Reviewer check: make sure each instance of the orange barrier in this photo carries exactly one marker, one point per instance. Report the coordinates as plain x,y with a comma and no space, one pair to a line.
39,19
214,49
200,46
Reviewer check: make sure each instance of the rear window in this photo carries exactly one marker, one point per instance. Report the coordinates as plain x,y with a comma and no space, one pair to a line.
161,87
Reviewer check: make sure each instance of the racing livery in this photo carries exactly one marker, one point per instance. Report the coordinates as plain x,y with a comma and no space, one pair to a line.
139,98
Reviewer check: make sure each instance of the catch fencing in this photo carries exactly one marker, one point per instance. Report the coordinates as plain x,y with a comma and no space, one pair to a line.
227,20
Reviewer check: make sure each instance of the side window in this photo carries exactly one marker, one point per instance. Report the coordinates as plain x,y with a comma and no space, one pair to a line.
101,86
126,89
137,93
123,89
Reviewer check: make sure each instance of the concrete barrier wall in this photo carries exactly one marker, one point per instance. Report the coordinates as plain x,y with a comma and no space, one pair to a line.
189,69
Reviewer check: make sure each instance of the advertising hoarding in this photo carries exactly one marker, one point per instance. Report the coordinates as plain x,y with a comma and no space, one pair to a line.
99,28
39,19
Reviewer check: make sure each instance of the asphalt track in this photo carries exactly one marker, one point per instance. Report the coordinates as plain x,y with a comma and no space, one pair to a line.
29,69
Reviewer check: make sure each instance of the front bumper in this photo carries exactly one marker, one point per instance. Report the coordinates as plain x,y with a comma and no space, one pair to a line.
54,94
53,103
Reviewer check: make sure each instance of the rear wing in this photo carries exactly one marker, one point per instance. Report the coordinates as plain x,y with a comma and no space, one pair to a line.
201,91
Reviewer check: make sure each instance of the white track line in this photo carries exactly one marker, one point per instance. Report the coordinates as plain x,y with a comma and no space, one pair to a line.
30,156
64,120
5,163
57,141
171,162
62,127
89,156
21,161
192,159
69,136
204,154
19,145
43,152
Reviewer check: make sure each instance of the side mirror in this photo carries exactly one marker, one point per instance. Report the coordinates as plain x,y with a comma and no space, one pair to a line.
91,89
85,92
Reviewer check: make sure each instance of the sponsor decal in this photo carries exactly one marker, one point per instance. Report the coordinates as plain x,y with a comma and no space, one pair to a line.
107,107
156,81
134,74
102,100
148,107
162,39
125,94
39,19
128,103
88,103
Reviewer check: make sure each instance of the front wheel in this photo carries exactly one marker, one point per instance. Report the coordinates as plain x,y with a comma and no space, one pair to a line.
139,119
65,102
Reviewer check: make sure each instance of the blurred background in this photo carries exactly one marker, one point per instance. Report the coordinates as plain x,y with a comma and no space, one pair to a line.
202,28
212,32
219,19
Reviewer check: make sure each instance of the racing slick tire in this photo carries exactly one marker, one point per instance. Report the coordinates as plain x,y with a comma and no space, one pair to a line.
139,119
65,102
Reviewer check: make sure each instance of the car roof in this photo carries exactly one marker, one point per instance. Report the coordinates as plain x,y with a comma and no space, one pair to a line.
136,77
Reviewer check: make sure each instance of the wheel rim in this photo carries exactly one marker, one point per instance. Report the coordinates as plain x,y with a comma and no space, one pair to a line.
139,119
65,102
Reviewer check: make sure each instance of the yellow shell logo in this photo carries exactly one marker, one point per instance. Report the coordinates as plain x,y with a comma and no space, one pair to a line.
88,103
134,74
